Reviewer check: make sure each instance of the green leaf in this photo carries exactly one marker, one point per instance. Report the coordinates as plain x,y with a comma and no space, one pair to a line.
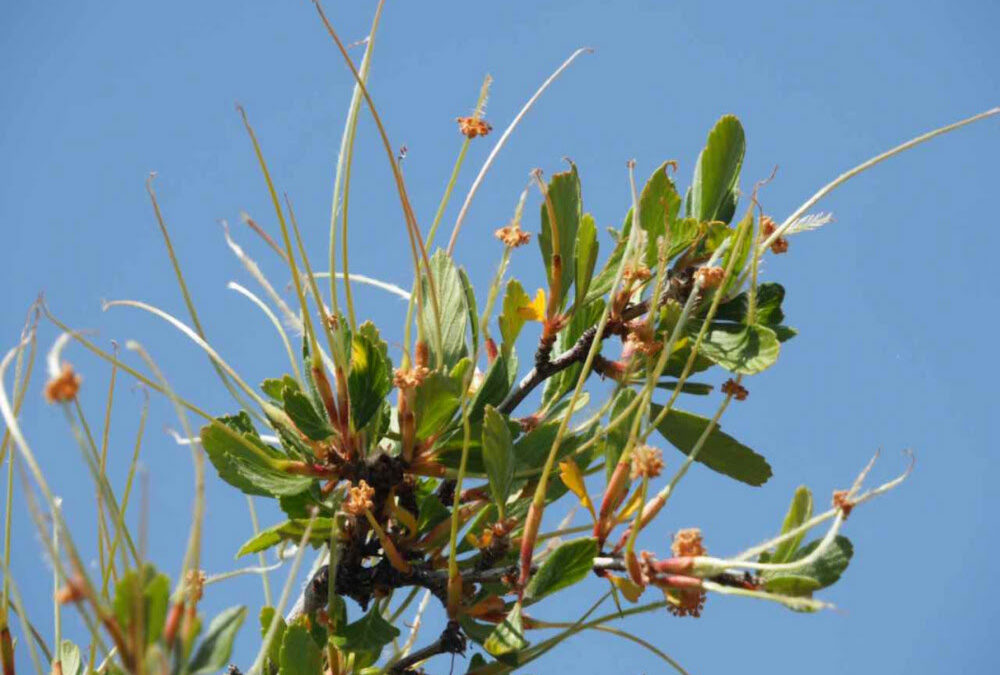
617,437
435,403
563,382
586,257
567,205
739,247
694,388
470,304
508,636
604,280
272,387
565,566
216,647
659,203
498,455
431,512
273,649
792,584
245,462
305,417
497,382
824,571
141,598
290,530
299,653
769,312
721,452
454,313
69,657
799,511
370,379
747,350
718,170
510,321
370,634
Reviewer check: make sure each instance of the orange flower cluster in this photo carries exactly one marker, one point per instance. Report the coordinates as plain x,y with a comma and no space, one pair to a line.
512,235
359,498
409,378
737,391
196,584
709,277
473,126
688,543
767,228
640,339
639,273
685,602
64,387
842,502
647,462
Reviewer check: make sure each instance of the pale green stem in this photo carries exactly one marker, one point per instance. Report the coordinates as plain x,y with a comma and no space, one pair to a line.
595,346
864,166
56,605
124,366
143,415
293,573
193,554
194,337
89,451
186,293
260,556
232,285
502,141
344,160
643,643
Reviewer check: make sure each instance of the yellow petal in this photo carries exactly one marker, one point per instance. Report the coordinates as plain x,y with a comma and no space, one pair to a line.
570,474
535,310
631,590
631,507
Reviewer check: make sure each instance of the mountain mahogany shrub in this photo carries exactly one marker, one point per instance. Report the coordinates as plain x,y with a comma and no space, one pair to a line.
430,470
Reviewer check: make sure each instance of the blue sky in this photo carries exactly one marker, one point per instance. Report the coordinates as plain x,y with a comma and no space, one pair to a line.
892,301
